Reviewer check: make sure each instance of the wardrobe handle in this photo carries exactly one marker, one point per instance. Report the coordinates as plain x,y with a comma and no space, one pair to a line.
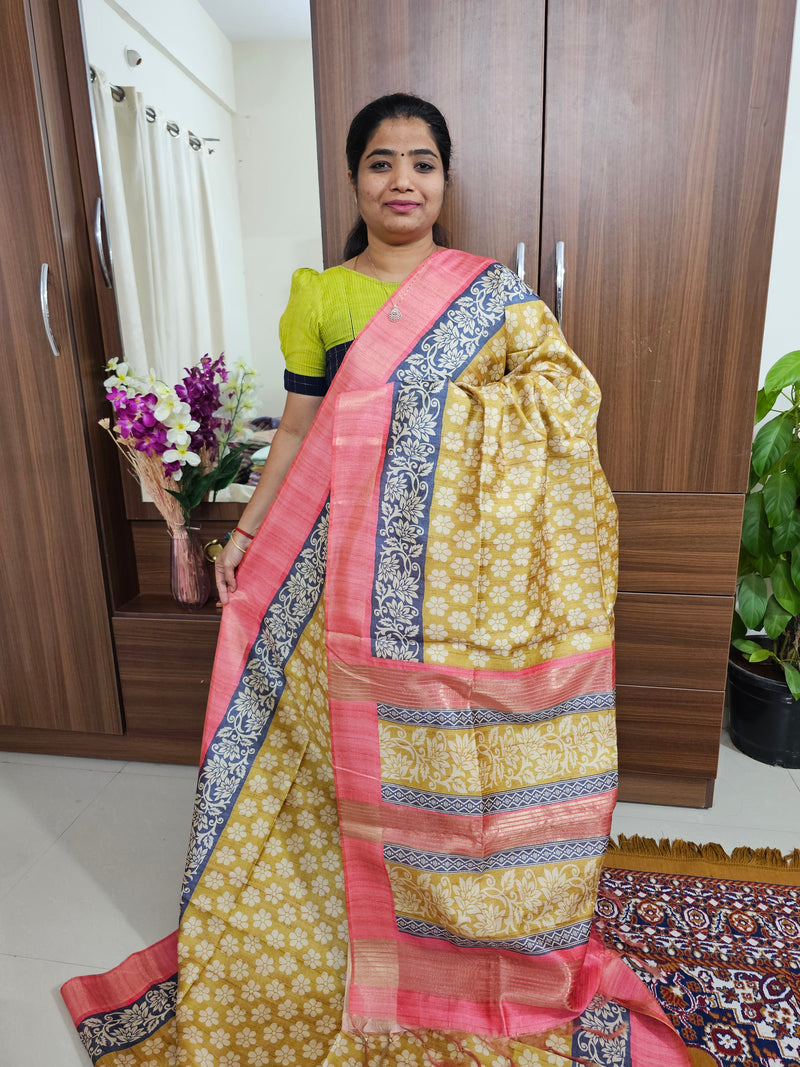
521,261
46,310
98,240
559,280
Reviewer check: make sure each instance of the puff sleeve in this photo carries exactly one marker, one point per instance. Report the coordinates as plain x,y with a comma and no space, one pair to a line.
300,335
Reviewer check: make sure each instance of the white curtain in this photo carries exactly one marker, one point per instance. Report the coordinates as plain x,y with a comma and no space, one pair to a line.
159,217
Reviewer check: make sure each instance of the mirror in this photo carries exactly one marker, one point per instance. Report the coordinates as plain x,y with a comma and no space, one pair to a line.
238,75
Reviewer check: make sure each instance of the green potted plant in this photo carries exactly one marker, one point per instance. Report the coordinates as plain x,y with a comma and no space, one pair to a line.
764,678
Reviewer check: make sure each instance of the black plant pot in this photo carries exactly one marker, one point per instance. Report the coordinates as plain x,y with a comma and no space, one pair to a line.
764,716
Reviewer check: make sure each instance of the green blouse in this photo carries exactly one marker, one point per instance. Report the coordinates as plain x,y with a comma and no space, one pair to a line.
325,314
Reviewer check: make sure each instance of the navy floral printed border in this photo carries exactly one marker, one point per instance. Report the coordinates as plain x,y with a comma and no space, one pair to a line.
412,448
247,721
115,1031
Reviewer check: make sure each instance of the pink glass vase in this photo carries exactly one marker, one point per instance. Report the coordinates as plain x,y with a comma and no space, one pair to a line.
191,585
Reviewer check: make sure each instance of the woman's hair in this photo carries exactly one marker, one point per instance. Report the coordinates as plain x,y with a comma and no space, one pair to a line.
364,125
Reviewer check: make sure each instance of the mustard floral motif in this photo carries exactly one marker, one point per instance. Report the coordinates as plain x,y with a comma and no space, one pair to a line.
535,578
494,759
507,905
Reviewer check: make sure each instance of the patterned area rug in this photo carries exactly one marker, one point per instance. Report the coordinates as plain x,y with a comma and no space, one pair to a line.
717,940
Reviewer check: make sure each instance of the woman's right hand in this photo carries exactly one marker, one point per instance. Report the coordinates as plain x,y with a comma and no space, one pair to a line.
296,419
225,566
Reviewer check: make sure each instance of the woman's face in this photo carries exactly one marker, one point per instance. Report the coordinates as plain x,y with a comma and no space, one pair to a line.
400,182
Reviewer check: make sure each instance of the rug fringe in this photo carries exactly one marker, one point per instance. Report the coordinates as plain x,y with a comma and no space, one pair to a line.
647,854
711,853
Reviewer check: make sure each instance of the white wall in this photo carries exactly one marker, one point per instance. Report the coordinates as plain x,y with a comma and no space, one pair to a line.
782,326
275,133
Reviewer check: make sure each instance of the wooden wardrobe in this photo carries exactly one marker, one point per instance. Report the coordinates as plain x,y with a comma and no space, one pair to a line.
645,134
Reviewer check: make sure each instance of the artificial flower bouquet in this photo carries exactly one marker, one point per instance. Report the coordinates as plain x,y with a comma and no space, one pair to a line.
179,439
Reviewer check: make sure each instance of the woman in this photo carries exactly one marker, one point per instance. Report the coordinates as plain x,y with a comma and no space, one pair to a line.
399,166
415,664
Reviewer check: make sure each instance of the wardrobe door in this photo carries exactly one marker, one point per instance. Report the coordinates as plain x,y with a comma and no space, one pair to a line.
663,132
481,63
56,655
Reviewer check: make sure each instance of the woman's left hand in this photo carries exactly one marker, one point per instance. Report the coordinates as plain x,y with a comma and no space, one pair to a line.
225,566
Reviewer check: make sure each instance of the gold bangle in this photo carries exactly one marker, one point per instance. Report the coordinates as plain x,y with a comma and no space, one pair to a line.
236,543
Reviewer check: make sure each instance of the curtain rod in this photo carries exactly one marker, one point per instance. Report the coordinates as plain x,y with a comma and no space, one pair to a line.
118,94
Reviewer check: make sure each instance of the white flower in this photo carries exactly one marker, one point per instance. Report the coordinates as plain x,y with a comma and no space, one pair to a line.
169,404
438,579
229,404
435,653
440,551
123,377
181,454
180,427
460,593
436,605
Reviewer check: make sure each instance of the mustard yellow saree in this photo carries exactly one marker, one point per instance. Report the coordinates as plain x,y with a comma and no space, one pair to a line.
409,763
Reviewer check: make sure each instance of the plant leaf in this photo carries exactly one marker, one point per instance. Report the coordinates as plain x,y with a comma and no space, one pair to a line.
775,618
792,679
780,497
786,535
784,589
747,562
794,568
738,628
770,443
782,373
764,402
766,563
756,536
751,650
792,455
760,656
226,470
752,600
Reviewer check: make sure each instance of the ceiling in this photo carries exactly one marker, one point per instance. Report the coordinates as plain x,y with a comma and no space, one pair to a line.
255,20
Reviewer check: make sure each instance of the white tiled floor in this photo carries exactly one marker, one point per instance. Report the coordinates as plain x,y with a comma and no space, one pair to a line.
91,856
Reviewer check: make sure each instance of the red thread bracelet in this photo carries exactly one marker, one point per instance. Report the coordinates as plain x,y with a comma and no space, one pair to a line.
244,533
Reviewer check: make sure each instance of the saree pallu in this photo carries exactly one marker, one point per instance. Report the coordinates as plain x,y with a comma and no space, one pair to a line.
409,759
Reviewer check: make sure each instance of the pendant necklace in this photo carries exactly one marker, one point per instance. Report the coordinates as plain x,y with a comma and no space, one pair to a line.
395,314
